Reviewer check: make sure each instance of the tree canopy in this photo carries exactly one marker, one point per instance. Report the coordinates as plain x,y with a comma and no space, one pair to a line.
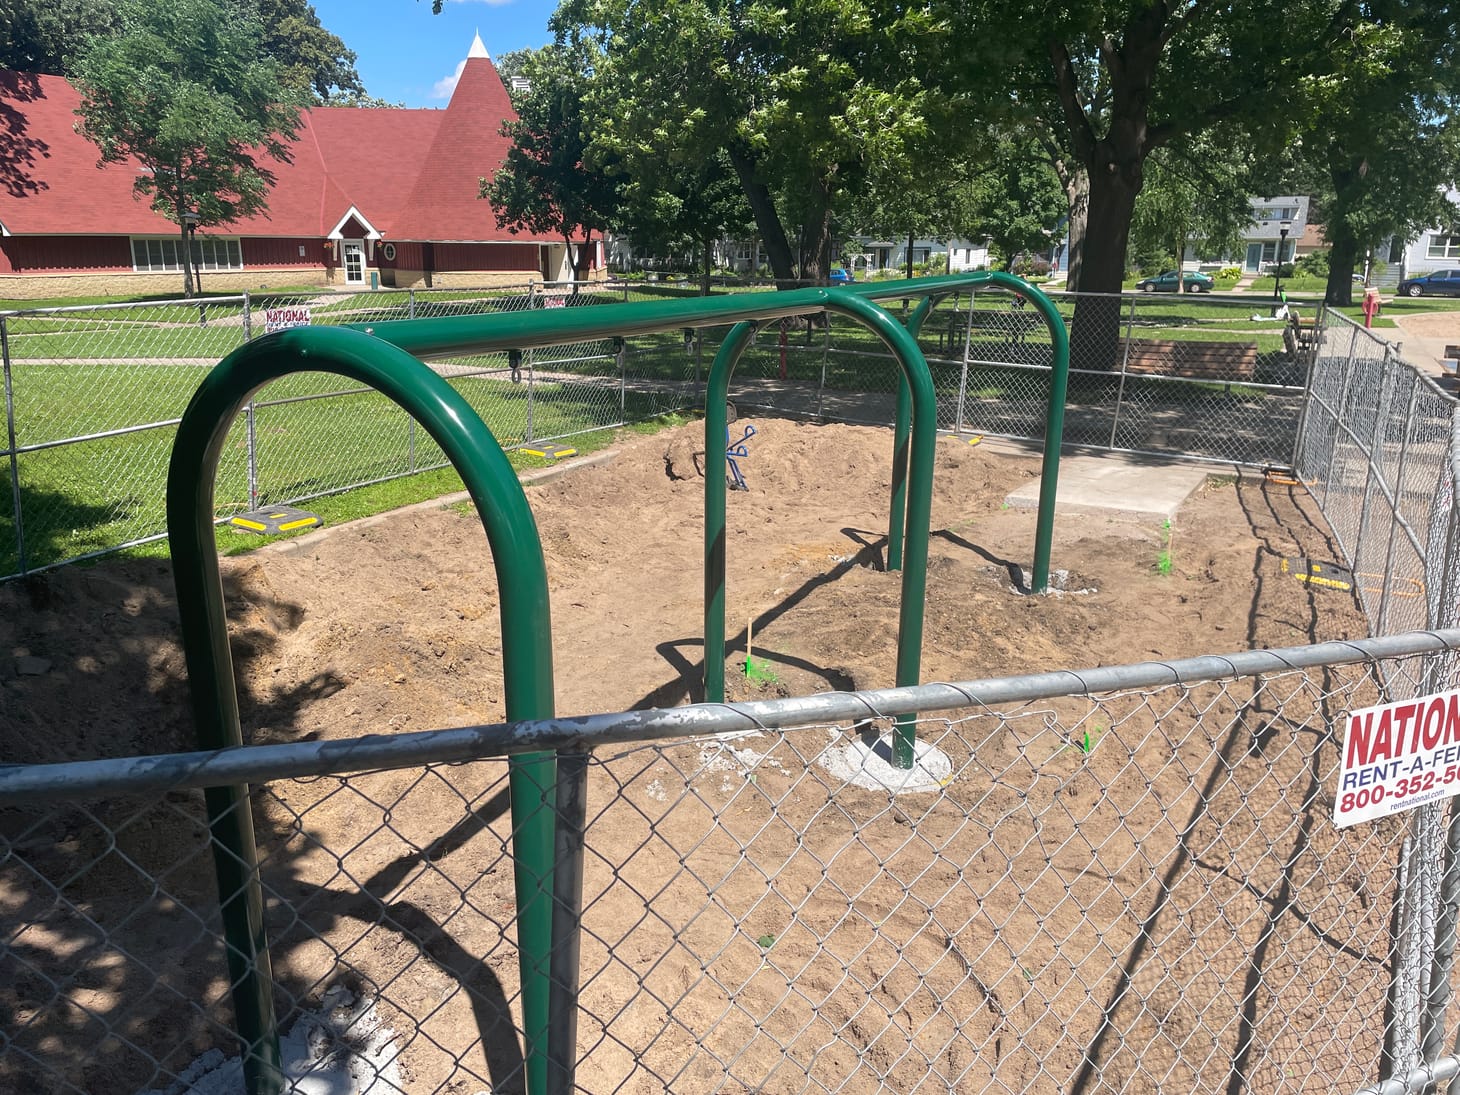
798,97
185,87
49,35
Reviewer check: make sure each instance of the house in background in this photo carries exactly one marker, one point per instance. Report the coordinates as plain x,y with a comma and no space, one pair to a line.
1436,248
1264,237
1262,242
370,195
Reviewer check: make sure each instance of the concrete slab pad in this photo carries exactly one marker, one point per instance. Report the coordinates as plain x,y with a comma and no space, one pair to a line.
1115,483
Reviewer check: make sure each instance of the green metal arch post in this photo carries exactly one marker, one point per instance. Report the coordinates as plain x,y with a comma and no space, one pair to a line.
918,510
1059,386
526,652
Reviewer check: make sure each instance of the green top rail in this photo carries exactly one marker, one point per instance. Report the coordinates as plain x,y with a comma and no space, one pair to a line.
526,652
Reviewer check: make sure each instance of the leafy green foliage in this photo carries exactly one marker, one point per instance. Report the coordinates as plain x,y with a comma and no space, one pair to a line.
547,183
45,35
1379,142
185,89
49,35
799,97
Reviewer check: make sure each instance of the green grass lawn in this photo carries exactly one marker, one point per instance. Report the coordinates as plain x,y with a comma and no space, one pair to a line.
87,496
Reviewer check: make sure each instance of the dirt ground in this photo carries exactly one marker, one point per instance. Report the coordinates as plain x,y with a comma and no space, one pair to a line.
391,624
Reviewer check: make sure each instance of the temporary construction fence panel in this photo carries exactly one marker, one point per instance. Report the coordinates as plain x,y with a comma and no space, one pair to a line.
1118,879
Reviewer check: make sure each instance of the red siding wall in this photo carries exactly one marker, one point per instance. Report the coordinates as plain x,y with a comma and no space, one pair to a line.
284,252
64,254
484,256
408,256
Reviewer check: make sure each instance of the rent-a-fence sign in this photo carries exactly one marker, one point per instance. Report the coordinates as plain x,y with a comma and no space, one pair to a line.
281,319
1397,756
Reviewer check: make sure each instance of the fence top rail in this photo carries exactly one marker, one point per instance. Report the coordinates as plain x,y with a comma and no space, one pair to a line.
121,306
555,327
259,763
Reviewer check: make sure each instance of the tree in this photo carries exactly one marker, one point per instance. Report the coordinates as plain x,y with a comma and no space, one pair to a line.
45,35
1379,142
1195,194
1112,81
48,35
692,207
800,98
548,183
185,89
310,58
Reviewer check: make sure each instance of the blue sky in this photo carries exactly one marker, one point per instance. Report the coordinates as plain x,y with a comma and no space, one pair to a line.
407,55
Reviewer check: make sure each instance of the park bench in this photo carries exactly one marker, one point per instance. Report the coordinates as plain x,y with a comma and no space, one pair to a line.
1010,323
1192,359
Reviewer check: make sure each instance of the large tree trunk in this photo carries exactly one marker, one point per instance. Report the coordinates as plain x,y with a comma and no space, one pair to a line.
583,260
1343,256
706,249
767,220
1077,193
1095,330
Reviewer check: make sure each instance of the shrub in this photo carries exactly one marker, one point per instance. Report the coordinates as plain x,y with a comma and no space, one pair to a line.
1230,273
1314,263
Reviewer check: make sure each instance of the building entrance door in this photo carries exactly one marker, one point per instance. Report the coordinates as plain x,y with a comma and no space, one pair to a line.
354,260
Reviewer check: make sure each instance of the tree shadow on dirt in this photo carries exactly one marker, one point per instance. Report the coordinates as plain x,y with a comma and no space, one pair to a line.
113,976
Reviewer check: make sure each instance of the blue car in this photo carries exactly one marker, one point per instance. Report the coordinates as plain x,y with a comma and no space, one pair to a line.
841,277
1439,283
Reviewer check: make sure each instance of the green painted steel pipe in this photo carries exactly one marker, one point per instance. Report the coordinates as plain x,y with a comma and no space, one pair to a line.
717,426
923,438
901,431
526,650
1059,385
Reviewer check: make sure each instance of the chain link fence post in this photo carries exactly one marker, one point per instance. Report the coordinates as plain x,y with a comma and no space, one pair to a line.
14,460
1130,323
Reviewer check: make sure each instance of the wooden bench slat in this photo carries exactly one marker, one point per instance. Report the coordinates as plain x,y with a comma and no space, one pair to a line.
1192,359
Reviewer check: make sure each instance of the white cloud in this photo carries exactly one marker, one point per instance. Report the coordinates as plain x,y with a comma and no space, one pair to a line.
443,87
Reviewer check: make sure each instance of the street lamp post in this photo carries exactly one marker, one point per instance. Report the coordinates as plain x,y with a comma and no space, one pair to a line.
1277,274
190,222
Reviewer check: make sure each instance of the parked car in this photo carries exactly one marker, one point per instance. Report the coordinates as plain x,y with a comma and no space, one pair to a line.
1437,283
841,277
1165,282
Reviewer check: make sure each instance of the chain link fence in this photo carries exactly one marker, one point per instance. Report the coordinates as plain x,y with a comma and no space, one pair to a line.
1194,377
1378,451
93,395
1122,879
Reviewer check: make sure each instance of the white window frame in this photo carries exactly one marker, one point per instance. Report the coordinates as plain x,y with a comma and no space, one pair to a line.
162,253
1439,246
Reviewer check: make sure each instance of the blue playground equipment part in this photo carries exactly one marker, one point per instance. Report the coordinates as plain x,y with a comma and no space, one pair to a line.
737,450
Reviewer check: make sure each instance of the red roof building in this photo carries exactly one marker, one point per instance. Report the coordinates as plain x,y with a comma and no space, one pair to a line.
368,195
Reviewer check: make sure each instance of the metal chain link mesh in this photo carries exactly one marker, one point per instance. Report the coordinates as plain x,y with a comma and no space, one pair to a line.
1128,891
1377,452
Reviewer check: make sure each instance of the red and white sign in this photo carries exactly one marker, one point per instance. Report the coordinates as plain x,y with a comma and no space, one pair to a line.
281,319
1397,756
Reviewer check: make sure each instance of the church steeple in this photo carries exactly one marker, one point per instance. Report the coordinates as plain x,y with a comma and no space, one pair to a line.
478,48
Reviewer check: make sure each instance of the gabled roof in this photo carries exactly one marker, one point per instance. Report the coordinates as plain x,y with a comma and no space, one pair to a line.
446,197
408,174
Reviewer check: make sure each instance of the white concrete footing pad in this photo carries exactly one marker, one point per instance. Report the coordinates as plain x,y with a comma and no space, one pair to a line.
870,765
1115,483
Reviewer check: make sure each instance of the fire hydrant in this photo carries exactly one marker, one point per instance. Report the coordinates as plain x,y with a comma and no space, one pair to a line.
1371,306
